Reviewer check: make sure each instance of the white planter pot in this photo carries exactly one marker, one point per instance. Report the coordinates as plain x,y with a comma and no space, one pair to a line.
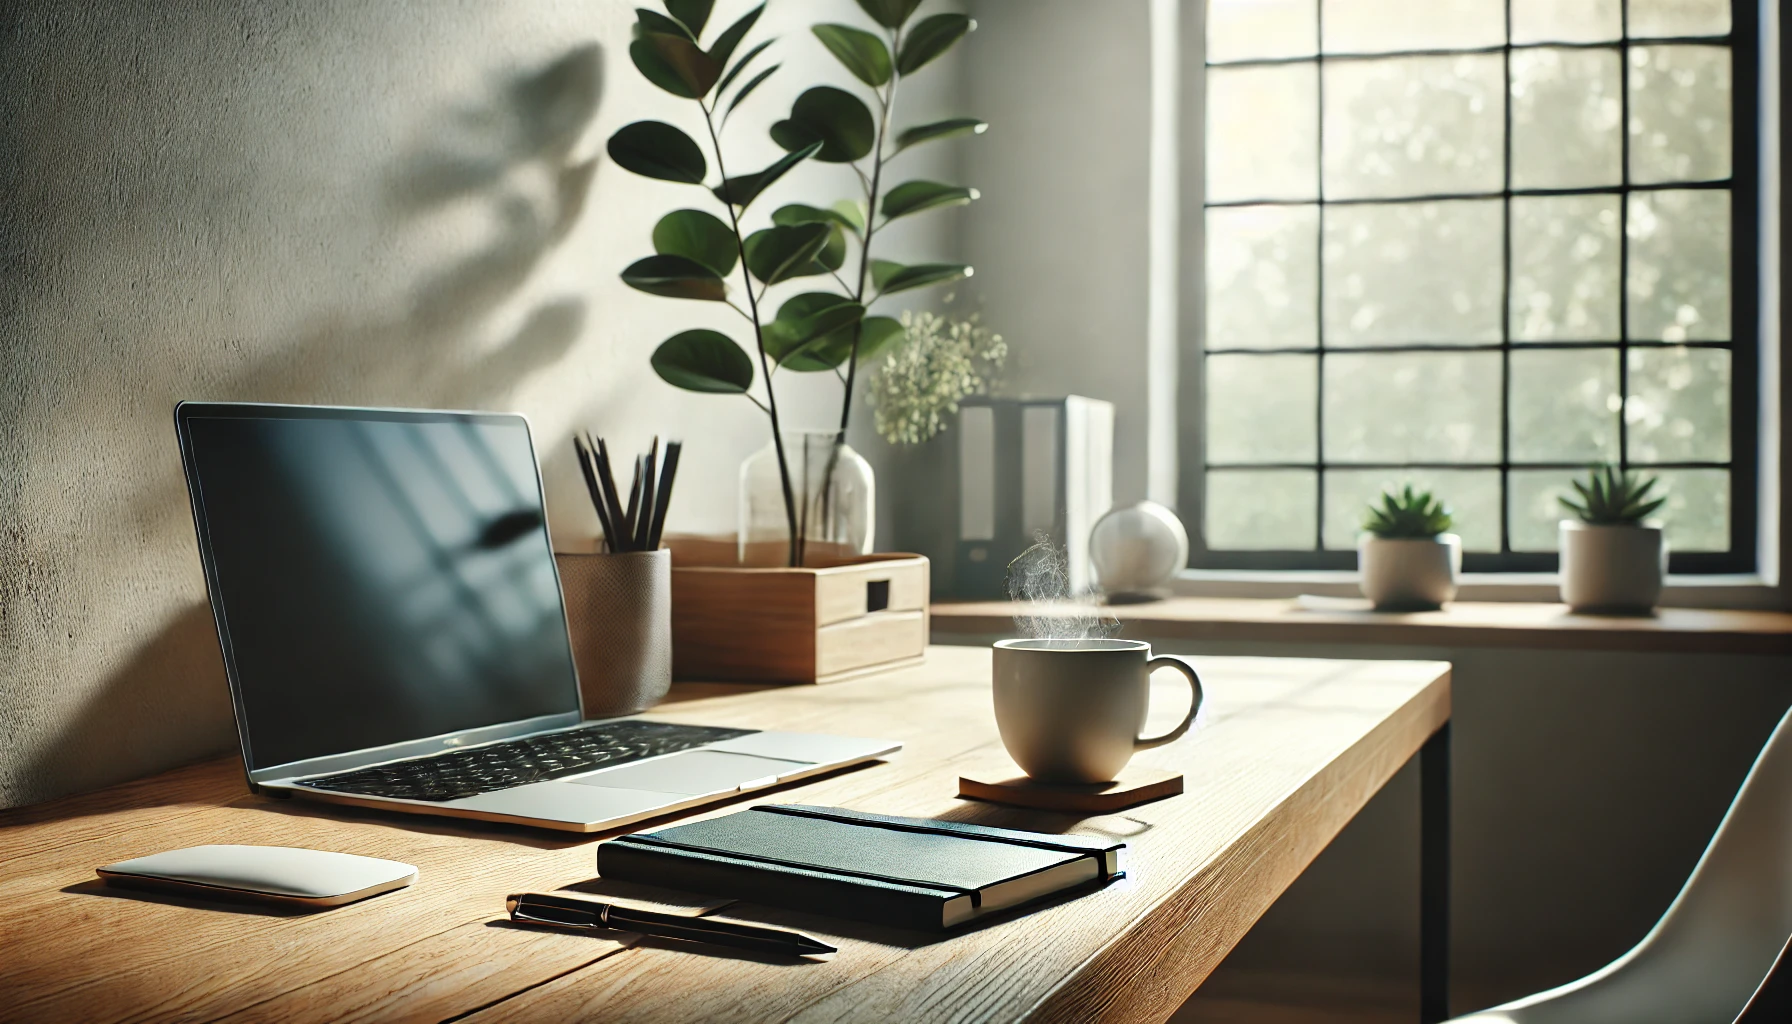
1612,568
1409,573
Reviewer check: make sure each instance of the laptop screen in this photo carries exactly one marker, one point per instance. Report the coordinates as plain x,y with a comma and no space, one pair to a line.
378,576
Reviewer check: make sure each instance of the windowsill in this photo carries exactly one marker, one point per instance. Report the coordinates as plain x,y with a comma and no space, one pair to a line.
1510,624
1738,590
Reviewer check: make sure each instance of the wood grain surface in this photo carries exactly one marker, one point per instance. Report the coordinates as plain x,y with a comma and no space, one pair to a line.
1285,753
1459,624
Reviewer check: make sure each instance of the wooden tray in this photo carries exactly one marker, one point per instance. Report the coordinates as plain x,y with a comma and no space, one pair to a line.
816,624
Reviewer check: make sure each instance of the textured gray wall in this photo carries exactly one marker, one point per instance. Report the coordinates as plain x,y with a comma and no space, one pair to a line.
394,203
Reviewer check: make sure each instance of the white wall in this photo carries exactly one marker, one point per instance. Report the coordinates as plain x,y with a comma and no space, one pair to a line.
1060,236
402,203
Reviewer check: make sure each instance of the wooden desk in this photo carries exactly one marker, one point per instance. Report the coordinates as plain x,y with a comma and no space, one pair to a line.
1549,627
1286,753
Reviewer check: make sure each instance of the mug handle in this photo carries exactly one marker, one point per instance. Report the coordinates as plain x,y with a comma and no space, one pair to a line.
1194,706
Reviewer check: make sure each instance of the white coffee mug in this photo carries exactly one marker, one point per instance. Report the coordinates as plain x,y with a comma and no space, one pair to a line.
1072,710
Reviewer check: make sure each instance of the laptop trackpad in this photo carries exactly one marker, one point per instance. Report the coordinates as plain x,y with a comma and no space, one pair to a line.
694,773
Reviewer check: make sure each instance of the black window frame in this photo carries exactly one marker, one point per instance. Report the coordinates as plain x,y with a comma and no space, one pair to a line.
1744,343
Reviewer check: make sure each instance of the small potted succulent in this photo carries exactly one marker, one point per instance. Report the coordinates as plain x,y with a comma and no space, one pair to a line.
1408,559
1612,560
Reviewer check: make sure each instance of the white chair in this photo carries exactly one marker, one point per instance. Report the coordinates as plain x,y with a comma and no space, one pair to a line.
1706,958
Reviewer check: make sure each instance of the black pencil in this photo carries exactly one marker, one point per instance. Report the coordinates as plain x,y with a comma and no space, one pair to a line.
608,478
634,505
644,523
588,466
668,470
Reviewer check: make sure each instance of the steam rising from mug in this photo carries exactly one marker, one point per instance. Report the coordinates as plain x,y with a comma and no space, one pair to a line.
1039,581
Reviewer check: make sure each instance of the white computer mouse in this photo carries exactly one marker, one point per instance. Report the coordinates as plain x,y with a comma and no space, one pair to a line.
282,874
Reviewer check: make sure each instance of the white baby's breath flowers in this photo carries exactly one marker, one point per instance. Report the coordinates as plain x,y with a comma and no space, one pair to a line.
939,361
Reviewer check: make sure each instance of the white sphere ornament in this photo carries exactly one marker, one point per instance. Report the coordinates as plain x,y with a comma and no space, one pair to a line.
1138,550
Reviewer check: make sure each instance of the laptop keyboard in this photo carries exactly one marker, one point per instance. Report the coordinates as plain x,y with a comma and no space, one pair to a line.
464,773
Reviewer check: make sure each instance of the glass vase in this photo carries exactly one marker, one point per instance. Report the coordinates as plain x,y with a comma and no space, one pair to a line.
835,498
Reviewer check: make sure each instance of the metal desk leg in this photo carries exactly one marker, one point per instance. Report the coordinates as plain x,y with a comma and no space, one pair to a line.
1434,877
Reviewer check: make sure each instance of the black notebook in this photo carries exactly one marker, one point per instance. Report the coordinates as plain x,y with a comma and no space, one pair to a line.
910,872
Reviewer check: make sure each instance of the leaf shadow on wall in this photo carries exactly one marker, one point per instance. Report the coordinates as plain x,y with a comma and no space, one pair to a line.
510,158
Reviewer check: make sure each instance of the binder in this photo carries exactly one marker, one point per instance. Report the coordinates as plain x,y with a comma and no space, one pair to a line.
1030,468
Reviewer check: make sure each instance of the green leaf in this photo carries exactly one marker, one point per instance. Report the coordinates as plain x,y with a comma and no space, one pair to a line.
863,53
835,348
706,361
889,13
741,65
834,117
655,149
813,331
653,21
723,47
697,236
891,278
742,189
675,64
854,212
797,213
929,38
833,254
780,253
939,130
676,277
877,334
915,196
693,14
747,90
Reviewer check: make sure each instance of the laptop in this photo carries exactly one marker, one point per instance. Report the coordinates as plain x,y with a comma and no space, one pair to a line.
394,636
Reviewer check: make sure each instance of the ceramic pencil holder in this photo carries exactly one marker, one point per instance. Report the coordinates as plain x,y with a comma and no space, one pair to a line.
619,611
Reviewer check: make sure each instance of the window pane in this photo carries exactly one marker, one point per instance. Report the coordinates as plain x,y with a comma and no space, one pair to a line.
1564,405
1262,408
1565,113
1658,18
1250,29
1679,406
1412,407
1381,26
1263,277
1679,113
1473,497
1262,510
1697,514
1679,288
1262,133
1565,21
1411,126
1413,272
1533,513
1564,268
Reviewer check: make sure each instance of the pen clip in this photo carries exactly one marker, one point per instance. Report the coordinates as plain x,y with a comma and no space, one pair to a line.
530,911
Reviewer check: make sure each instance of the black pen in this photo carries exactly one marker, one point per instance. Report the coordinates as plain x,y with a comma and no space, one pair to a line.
589,915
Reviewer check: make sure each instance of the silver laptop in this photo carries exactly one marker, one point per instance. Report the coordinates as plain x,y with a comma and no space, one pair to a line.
392,628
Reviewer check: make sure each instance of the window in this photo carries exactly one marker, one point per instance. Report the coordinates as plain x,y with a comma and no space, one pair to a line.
1476,245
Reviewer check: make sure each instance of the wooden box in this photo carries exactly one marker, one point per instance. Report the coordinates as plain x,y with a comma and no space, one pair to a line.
817,624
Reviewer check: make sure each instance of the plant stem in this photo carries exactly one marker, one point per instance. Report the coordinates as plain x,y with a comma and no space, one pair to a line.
886,102
877,170
771,398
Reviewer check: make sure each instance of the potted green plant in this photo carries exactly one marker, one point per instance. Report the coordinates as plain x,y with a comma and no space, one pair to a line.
1407,558
804,491
1613,560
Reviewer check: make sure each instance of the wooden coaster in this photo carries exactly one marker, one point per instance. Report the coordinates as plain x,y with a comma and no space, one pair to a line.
1134,786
